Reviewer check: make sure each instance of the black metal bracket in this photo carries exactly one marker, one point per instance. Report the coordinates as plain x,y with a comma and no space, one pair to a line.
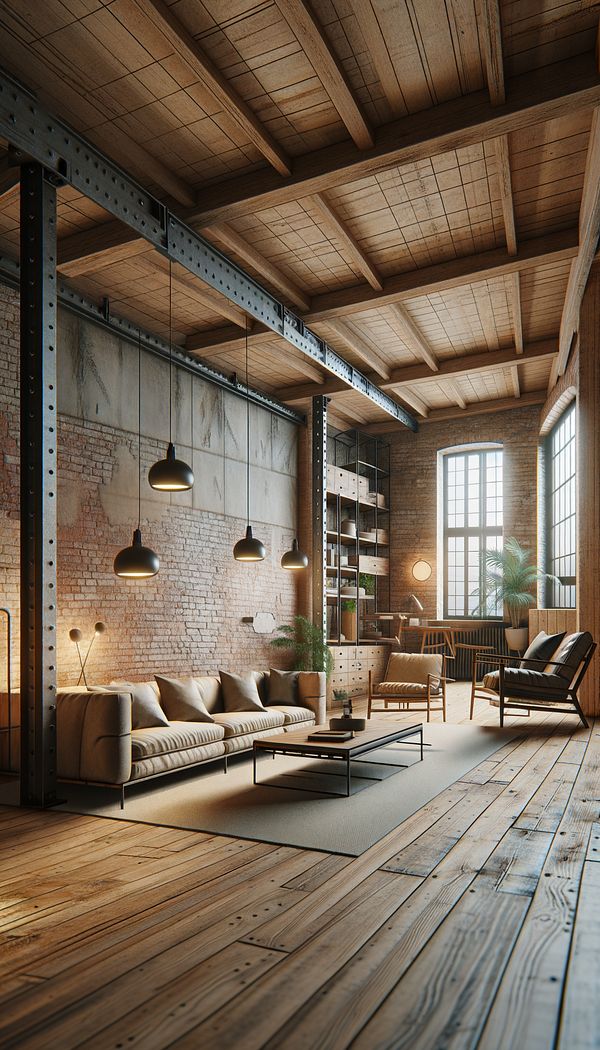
30,129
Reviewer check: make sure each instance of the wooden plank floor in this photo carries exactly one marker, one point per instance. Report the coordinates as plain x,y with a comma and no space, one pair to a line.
472,924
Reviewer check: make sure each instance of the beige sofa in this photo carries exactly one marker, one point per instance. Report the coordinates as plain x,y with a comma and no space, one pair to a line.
97,745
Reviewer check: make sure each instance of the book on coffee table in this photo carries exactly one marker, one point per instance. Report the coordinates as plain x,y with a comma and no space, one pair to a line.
330,734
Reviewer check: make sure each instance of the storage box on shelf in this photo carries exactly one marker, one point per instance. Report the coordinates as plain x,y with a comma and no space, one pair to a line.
357,534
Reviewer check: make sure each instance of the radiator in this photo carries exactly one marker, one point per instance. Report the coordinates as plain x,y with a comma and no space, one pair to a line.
461,668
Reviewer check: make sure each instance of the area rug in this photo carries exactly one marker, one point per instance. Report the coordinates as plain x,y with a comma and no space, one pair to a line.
386,789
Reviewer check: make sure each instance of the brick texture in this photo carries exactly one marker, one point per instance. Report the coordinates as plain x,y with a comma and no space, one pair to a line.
186,619
413,496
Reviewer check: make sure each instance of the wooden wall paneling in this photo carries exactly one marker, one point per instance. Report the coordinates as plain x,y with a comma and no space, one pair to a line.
551,621
588,490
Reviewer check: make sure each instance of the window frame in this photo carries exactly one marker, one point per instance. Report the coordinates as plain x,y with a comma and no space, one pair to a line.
480,531
550,457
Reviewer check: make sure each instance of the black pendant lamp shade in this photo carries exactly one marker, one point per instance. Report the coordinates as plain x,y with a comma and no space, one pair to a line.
294,558
248,549
170,474
137,562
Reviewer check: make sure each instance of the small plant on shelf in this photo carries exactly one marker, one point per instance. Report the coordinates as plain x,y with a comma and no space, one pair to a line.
367,581
309,648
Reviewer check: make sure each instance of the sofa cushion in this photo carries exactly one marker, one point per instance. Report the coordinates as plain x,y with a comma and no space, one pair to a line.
172,760
179,736
293,713
181,700
405,689
240,691
541,648
240,723
146,711
570,653
283,686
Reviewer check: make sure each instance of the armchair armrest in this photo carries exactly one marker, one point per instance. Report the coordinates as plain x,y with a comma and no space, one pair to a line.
93,733
496,658
312,693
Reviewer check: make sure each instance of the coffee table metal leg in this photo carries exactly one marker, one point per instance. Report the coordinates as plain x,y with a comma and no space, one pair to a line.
348,775
254,763
421,745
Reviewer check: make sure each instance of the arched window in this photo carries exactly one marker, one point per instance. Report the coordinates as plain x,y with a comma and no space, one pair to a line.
471,520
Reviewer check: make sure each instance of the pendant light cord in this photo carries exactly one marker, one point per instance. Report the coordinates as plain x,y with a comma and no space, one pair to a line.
247,434
139,427
170,349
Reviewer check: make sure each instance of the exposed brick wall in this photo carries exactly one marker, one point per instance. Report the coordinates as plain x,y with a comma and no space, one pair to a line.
189,617
414,490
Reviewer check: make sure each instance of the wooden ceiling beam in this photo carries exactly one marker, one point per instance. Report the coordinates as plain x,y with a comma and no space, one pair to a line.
343,234
490,28
543,94
539,251
191,286
188,48
380,55
314,43
514,378
97,247
132,157
231,241
222,342
589,234
452,367
454,392
413,337
474,408
414,401
514,298
470,364
10,177
363,349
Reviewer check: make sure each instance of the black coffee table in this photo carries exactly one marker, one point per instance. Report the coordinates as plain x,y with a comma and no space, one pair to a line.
296,742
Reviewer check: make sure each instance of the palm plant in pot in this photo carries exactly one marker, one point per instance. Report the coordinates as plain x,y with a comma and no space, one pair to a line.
510,579
309,648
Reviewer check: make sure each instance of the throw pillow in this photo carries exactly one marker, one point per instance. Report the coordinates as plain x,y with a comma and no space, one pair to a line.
283,687
181,700
146,712
542,647
240,692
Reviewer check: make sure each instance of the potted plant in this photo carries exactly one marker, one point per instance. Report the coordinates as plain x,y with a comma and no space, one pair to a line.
510,579
349,619
309,647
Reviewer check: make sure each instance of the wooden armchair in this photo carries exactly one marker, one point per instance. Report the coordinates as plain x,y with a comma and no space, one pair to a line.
536,685
411,679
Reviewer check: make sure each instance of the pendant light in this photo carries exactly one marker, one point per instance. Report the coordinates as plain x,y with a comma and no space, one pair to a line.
294,558
249,548
170,474
137,562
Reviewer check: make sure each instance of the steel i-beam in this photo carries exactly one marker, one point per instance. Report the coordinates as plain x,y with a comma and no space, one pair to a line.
319,511
38,486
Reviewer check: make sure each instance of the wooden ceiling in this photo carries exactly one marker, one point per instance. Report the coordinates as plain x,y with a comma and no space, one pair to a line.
417,179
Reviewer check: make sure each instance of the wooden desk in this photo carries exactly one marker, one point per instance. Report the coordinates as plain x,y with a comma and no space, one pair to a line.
447,631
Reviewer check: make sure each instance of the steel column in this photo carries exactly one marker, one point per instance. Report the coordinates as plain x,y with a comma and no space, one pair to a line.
319,511
38,486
